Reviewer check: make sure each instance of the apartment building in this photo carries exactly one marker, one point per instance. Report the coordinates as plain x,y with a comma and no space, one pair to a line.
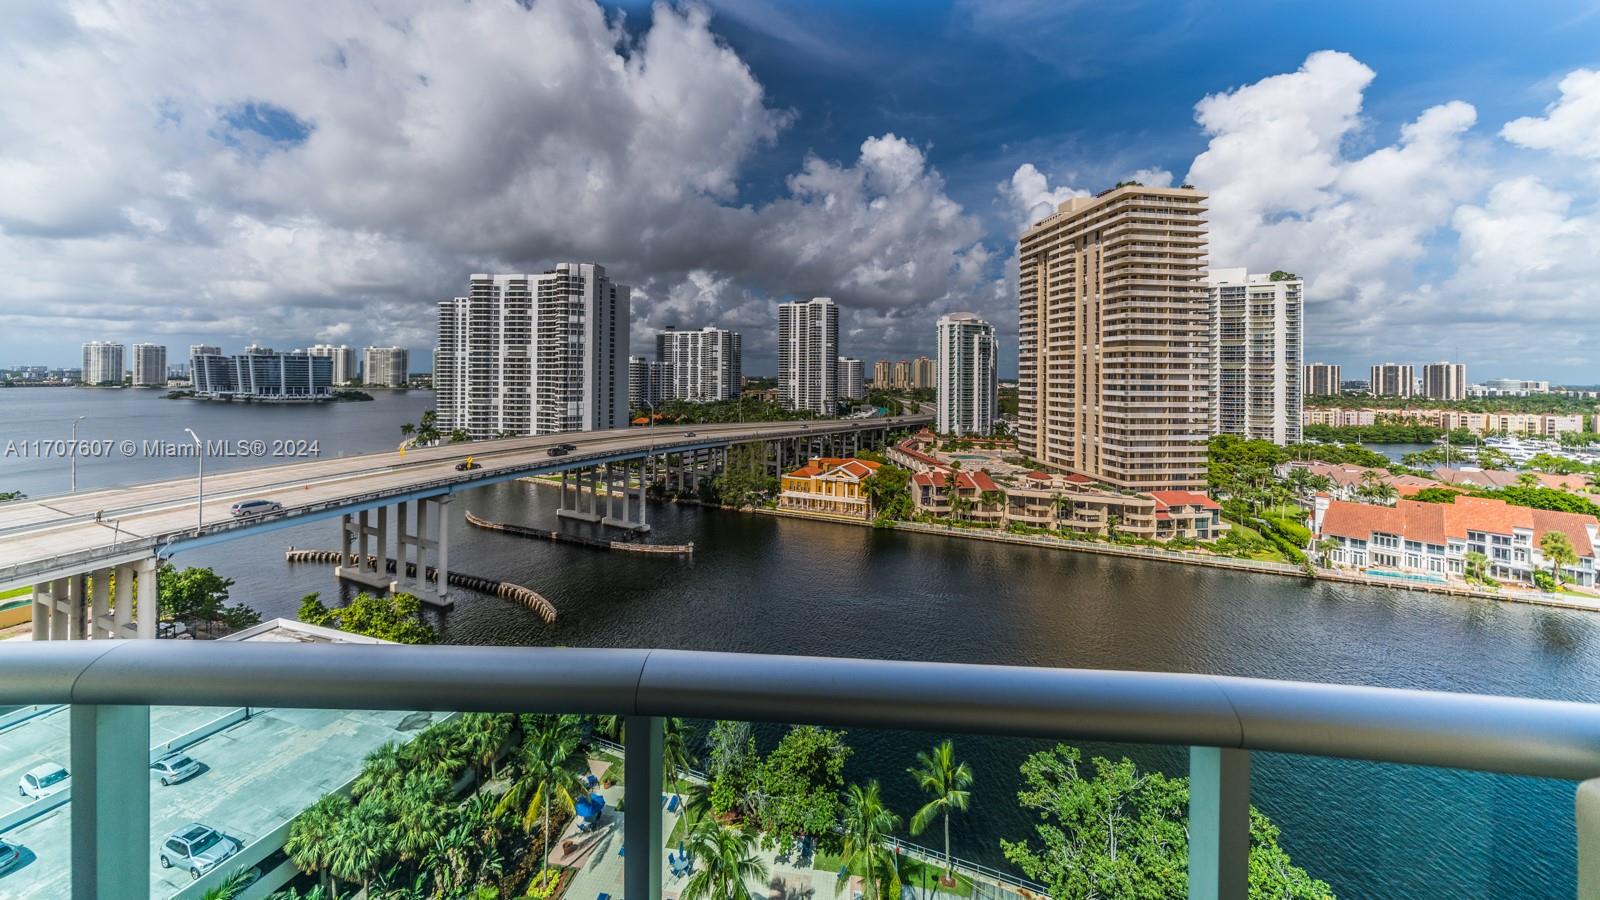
537,353
1444,381
831,485
924,374
901,377
345,369
1257,348
385,367
1548,425
1508,387
1393,380
968,391
808,356
1435,538
649,383
851,385
102,363
1114,315
881,377
1322,380
262,374
707,365
149,365
1070,503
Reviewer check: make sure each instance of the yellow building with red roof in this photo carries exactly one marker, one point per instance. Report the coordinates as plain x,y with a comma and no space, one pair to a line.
828,484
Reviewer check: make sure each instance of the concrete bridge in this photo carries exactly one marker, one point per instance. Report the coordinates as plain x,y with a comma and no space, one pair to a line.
89,557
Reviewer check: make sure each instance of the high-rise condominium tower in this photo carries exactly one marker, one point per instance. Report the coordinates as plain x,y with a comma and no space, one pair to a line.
923,373
1115,368
344,360
149,365
534,354
707,365
968,386
808,356
1322,380
851,382
649,383
880,374
385,367
902,375
1444,381
1393,380
1257,343
102,363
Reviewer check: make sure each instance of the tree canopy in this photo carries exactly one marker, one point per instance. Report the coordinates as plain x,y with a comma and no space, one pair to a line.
801,781
396,617
1114,831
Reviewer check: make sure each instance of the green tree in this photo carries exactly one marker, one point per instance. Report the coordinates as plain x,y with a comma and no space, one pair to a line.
407,428
1119,832
675,757
231,887
394,617
889,491
800,781
745,480
193,594
868,823
459,436
1476,569
733,767
552,772
725,863
311,837
1558,552
946,782
8,496
359,844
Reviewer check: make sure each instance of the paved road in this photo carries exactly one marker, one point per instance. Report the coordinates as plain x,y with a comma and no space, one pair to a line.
37,534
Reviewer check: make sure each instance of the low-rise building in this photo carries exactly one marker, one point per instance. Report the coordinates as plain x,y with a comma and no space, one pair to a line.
1435,538
828,484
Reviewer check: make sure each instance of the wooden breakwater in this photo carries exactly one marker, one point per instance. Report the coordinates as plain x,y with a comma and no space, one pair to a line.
504,589
581,540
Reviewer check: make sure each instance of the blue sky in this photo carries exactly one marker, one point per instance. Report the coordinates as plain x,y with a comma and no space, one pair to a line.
290,175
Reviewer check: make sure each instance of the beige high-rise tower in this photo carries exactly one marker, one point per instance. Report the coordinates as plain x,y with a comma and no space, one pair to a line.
1114,357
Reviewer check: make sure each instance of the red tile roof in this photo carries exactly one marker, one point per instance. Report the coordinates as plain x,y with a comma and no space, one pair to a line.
1434,523
1183,498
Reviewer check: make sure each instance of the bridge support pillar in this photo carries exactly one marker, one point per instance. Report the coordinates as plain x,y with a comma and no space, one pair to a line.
581,509
623,518
148,603
367,567
419,541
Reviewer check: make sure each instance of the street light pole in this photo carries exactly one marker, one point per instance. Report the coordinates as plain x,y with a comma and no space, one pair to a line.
74,455
200,480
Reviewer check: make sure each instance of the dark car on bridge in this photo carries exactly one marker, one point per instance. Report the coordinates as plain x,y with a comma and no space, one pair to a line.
558,451
467,465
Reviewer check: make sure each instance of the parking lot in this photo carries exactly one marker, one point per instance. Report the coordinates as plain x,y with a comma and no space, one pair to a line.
259,773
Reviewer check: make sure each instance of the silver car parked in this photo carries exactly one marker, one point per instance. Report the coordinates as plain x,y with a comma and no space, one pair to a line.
175,768
197,848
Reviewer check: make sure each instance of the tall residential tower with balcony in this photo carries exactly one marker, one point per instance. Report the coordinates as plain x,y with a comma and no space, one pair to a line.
1444,381
531,354
967,383
1393,380
808,356
149,365
1322,380
1114,355
344,360
385,367
707,365
102,363
1257,344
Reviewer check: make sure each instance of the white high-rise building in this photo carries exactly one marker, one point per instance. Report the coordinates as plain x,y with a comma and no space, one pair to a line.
707,365
1444,381
1257,349
1393,380
649,383
808,356
1322,380
344,360
149,365
102,363
534,354
385,367
852,378
966,375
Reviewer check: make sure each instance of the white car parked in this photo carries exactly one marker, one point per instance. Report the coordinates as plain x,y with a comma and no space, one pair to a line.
175,768
43,781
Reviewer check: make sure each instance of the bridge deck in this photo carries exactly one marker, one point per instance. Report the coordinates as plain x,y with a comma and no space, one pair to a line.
96,526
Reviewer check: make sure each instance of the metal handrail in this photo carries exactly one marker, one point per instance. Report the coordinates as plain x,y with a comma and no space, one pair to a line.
1547,738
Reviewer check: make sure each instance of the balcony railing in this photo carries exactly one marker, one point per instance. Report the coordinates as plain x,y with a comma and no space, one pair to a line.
112,684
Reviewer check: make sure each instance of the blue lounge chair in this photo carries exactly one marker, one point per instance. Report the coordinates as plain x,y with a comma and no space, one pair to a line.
672,803
603,896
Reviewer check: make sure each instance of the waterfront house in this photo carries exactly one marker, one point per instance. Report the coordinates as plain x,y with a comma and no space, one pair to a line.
1435,538
827,484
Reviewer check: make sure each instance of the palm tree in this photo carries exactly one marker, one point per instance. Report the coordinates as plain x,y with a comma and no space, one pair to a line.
230,887
360,844
1557,549
311,835
867,824
484,734
407,428
553,772
675,759
725,863
946,782
450,861
380,771
420,813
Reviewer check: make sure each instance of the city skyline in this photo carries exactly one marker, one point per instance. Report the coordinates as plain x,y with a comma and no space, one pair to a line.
1399,178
